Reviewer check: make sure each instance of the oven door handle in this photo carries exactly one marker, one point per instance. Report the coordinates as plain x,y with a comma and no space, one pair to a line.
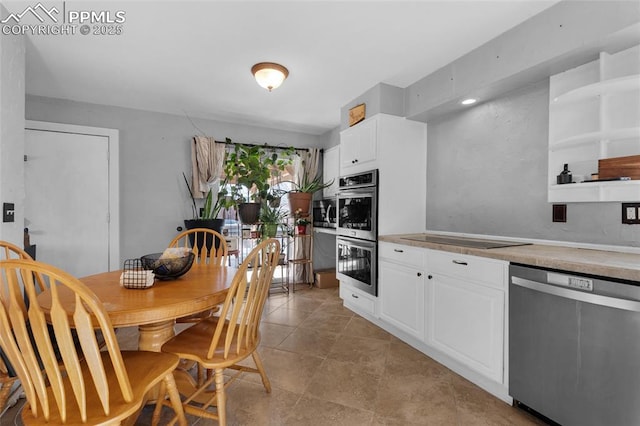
357,193
357,243
595,299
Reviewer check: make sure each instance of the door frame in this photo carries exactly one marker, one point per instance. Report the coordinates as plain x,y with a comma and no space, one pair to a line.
114,176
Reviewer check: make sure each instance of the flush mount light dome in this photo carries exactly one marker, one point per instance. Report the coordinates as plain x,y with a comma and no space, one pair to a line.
269,75
469,101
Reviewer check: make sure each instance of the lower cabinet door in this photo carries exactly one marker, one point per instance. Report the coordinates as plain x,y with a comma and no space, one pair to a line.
401,295
466,321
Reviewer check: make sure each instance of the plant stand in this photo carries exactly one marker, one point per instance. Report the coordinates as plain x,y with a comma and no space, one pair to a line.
300,263
249,237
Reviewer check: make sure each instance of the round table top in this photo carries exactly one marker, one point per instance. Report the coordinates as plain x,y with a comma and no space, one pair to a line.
202,288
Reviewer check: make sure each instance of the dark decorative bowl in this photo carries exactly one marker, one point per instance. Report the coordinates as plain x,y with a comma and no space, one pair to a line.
169,268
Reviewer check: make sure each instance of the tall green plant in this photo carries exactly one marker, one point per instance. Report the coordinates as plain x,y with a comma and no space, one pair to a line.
252,167
211,208
311,185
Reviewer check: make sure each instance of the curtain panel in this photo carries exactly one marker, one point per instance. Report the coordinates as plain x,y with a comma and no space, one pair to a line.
207,158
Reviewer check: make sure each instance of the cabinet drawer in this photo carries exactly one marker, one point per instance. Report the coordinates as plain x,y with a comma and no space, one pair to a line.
356,299
472,268
399,253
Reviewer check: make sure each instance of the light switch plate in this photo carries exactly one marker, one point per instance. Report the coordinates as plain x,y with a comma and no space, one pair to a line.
631,213
8,212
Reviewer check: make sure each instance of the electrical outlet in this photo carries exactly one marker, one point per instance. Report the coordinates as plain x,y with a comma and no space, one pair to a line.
559,212
631,213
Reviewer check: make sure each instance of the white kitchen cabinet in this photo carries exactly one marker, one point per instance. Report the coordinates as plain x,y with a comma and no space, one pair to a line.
401,289
397,147
359,147
594,113
331,170
358,301
466,310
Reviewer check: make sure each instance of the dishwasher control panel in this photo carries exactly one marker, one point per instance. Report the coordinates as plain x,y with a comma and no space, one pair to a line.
579,283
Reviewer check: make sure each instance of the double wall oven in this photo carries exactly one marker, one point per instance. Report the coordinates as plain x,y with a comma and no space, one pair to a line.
357,232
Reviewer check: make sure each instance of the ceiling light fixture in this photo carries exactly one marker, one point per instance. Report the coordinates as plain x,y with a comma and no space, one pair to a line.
269,75
469,101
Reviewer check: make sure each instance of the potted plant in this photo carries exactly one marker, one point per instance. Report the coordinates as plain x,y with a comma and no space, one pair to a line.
270,218
300,222
301,194
250,167
208,214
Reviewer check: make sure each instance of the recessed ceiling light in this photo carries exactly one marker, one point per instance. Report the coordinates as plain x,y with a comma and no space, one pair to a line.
469,101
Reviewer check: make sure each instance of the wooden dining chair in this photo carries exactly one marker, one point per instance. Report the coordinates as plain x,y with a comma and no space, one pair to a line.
7,375
88,386
209,248
12,251
218,343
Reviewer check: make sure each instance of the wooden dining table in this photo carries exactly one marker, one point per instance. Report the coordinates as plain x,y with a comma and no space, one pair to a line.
155,309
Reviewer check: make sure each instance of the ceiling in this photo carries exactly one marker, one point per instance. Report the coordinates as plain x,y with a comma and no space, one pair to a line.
193,58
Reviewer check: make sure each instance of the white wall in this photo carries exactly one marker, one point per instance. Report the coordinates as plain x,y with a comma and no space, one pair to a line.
154,151
12,81
487,174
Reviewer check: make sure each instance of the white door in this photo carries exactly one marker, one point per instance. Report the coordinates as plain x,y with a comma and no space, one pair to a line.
67,199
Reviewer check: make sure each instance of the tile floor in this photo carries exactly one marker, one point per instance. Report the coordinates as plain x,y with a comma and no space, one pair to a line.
328,366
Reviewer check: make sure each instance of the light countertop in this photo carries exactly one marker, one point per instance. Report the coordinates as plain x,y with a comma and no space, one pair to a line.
613,264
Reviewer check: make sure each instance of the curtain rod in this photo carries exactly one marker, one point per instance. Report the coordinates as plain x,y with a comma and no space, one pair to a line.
263,146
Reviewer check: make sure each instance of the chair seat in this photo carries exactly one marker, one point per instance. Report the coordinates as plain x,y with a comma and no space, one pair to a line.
146,369
193,344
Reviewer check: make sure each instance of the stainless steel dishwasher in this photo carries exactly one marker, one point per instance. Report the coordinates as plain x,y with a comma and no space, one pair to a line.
574,347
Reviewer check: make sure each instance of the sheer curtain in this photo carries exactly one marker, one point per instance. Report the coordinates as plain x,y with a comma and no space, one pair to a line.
207,158
306,165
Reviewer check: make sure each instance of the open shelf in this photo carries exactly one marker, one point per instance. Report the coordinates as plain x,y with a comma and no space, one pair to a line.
621,84
595,138
594,114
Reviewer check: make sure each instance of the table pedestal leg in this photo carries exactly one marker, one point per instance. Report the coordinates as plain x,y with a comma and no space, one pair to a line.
153,336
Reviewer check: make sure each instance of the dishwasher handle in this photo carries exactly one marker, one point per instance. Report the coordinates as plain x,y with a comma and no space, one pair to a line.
595,299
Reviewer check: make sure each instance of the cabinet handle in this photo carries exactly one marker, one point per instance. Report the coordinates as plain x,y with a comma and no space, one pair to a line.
459,262
355,296
419,274
429,276
398,250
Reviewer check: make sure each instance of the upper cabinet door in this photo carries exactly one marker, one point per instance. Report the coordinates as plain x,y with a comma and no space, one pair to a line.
359,147
331,170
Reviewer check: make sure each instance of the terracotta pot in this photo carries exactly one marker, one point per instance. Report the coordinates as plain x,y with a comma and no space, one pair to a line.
300,200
